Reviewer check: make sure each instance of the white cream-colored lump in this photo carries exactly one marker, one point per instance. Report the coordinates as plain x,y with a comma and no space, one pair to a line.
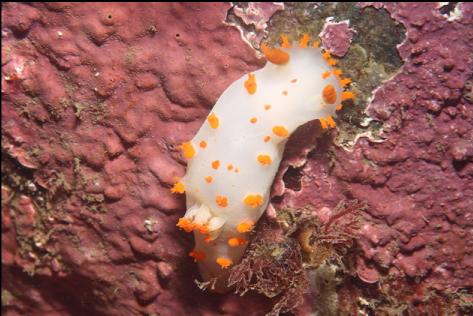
233,159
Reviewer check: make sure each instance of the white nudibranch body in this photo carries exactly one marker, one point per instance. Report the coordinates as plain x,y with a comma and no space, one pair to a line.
234,157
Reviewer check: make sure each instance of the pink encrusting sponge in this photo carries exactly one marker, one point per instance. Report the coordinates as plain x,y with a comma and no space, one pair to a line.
233,159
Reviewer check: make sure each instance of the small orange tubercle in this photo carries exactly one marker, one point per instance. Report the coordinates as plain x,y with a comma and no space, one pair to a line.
327,122
304,41
253,200
185,224
331,122
216,164
275,55
178,188
250,83
221,201
326,74
245,227
203,229
198,255
326,55
236,242
213,120
203,144
285,41
253,120
264,159
348,95
223,262
209,179
280,131
345,81
323,123
329,94
187,150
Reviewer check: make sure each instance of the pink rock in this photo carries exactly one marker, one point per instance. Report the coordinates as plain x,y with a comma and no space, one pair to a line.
121,86
337,37
366,274
256,15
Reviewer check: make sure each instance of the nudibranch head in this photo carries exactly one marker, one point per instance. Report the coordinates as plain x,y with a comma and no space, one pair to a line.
332,93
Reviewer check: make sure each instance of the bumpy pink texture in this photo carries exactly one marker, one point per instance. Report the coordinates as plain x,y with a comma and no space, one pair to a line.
254,17
119,86
115,88
337,37
418,182
257,13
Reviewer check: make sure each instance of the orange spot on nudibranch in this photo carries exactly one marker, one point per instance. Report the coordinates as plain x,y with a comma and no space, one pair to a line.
332,62
337,72
316,44
236,242
208,179
330,122
237,170
178,188
264,159
216,164
285,42
275,55
224,263
229,167
203,144
221,201
329,94
345,81
253,200
208,238
198,255
267,106
250,84
326,74
203,229
253,120
280,131
213,120
326,55
187,150
245,227
293,80
267,138
284,92
338,107
304,41
323,123
346,95
185,224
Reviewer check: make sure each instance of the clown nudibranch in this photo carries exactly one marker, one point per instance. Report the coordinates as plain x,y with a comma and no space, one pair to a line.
233,159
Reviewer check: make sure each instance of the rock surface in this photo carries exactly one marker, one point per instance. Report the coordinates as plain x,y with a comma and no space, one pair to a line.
97,97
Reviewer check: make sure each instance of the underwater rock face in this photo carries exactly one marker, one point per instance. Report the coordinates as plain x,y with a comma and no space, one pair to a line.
97,97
